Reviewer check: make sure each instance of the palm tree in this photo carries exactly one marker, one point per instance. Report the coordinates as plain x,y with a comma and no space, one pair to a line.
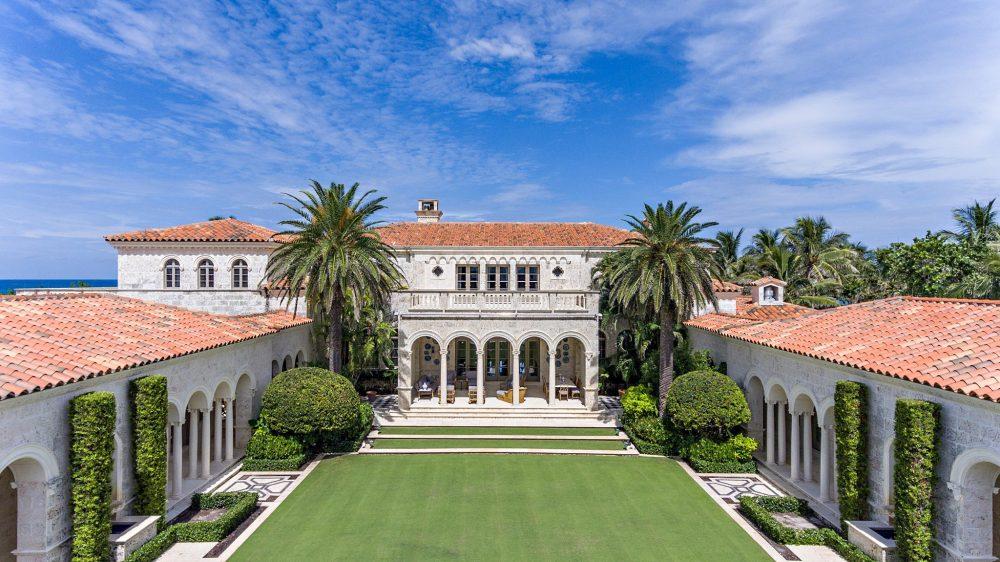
824,253
983,282
727,253
665,270
332,254
764,239
977,223
782,262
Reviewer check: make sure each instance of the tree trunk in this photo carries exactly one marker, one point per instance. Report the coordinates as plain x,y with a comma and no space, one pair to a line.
668,317
335,333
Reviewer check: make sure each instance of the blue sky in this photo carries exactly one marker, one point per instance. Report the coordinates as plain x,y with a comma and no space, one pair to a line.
115,116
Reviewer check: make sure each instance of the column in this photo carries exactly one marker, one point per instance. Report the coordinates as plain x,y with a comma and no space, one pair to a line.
515,377
177,478
206,437
217,438
824,462
230,422
807,447
193,444
796,445
443,388
480,376
781,431
552,377
769,407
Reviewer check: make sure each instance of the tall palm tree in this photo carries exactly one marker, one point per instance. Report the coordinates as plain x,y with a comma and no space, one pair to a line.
977,223
665,269
783,263
824,253
332,254
762,240
727,253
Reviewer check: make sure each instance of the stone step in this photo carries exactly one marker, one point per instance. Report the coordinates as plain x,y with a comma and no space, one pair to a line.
620,437
624,452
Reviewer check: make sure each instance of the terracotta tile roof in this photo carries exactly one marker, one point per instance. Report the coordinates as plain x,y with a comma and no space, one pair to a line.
747,309
222,230
52,340
720,286
767,281
952,344
502,234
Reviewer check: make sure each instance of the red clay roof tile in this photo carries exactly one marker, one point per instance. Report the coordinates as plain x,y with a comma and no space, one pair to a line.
503,234
222,230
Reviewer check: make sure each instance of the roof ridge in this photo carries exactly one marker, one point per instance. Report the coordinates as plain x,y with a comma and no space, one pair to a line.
982,302
82,293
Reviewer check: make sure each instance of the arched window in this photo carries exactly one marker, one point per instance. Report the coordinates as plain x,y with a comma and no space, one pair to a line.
172,274
241,274
206,274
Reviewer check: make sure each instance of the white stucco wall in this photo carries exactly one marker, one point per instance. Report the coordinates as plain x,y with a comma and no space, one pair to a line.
140,264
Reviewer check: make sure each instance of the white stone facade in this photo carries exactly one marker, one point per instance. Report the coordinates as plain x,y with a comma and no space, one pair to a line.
803,388
35,441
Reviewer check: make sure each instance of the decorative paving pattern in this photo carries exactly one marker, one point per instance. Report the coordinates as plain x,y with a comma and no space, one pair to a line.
267,486
731,488
385,403
609,403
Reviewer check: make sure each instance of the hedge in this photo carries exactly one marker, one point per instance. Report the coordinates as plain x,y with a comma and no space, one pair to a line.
706,403
638,402
315,404
732,455
149,444
647,435
917,434
92,421
759,509
275,465
239,506
851,420
265,445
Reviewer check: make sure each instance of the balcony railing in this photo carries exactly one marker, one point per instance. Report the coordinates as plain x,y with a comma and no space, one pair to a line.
490,301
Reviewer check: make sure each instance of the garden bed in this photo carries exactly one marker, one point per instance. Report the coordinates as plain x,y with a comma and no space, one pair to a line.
762,510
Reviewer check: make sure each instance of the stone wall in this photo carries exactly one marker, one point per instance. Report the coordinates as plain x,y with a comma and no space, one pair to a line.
140,264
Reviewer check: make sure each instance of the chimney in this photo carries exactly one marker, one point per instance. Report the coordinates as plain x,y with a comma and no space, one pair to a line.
427,211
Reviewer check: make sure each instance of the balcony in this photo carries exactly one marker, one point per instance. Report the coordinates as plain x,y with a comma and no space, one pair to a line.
577,302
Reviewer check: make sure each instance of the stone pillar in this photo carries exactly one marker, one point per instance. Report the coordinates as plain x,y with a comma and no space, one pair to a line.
796,446
230,424
217,438
193,444
807,447
825,456
591,374
781,431
769,407
443,386
480,376
177,460
206,437
552,377
515,377
404,378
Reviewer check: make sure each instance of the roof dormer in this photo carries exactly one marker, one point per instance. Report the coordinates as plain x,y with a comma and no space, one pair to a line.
768,290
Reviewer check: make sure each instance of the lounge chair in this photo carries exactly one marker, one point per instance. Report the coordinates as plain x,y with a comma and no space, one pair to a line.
508,395
473,395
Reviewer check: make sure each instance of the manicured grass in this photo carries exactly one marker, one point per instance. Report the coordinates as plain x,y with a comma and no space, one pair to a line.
561,431
489,507
496,444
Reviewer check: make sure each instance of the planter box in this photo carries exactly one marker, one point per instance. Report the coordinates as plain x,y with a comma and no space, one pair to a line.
133,532
874,538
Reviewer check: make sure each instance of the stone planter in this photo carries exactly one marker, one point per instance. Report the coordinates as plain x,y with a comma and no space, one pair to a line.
874,538
133,531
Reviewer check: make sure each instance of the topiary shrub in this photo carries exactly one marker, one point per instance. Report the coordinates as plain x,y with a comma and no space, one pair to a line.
732,455
917,434
149,444
266,445
706,403
314,404
851,421
638,402
92,422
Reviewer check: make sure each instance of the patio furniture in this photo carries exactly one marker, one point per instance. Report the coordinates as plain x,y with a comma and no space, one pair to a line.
508,395
450,396
473,394
428,393
574,392
461,383
562,393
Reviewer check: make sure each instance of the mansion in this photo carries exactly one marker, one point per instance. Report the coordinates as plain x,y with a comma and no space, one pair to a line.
497,319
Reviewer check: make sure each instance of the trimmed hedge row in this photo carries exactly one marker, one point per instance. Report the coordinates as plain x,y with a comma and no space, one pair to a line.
239,506
732,455
702,465
916,449
92,421
275,465
851,420
636,433
149,444
759,509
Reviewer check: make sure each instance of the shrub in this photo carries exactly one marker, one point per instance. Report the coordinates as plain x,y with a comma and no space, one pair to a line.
913,481
156,546
851,421
149,444
706,403
650,429
275,465
732,455
366,417
759,509
92,421
265,445
638,402
315,404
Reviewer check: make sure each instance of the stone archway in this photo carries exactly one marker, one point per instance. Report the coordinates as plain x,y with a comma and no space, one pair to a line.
776,446
804,440
243,412
25,506
974,477
754,392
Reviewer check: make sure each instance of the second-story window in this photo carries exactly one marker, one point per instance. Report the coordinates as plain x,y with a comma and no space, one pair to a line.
467,277
206,274
527,278
172,274
241,275
497,277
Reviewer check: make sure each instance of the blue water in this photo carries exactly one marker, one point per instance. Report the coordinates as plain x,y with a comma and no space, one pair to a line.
8,285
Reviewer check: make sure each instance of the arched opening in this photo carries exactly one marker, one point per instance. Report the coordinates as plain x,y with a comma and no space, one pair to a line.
172,274
500,371
206,274
8,523
287,363
804,441
300,359
570,365
275,368
533,368
425,365
197,438
828,453
777,420
463,370
243,411
975,476
757,428
241,274
223,426
24,501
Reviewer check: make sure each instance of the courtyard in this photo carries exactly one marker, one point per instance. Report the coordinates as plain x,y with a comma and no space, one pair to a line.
514,507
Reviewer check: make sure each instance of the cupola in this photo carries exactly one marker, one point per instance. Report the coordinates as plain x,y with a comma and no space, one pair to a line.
427,210
768,290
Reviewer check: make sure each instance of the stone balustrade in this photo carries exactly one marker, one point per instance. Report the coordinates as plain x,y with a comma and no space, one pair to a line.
583,302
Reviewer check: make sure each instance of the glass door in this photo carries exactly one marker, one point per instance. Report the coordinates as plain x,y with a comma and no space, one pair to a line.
497,360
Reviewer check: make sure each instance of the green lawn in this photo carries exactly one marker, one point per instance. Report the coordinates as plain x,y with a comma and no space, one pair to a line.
496,444
485,507
439,430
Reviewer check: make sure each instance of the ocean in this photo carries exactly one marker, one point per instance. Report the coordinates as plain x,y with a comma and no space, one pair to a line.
8,285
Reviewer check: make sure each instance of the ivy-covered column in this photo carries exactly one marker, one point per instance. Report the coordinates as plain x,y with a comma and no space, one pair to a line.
92,421
916,451
149,444
851,421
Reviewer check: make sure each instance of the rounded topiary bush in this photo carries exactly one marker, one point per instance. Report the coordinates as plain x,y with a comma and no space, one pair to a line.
706,403
310,402
268,446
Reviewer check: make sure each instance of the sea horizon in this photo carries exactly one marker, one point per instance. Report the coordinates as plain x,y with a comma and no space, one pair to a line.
8,285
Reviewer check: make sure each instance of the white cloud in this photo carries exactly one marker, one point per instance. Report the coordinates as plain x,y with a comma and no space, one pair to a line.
522,193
